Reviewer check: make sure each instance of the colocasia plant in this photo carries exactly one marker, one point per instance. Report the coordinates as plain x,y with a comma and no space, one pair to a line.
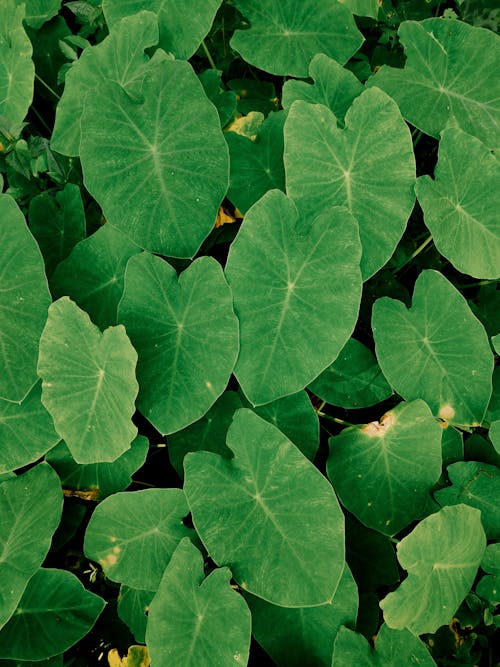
249,315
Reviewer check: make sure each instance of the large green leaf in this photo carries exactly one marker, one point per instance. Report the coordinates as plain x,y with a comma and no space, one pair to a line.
93,274
442,555
54,613
183,23
268,514
26,431
384,471
24,299
327,166
285,34
134,534
334,86
120,57
437,350
132,608
17,71
143,161
296,286
30,509
393,648
89,384
196,621
451,69
57,223
478,485
98,479
186,334
354,380
461,204
256,166
298,637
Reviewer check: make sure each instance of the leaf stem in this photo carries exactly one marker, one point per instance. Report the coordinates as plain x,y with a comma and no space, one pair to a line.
208,55
47,86
478,283
333,419
41,120
418,135
421,247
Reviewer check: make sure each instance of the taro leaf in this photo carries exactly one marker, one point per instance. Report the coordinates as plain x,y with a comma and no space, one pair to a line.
98,479
56,661
183,25
133,605
285,34
493,412
327,166
297,637
93,274
207,434
89,384
383,472
269,514
57,223
296,286
354,380
363,7
54,613
393,648
143,162
40,11
452,445
223,100
196,621
120,58
442,555
254,96
437,350
256,166
478,485
26,431
334,86
477,448
489,586
24,299
496,343
30,509
451,69
134,534
461,205
17,71
186,334
494,435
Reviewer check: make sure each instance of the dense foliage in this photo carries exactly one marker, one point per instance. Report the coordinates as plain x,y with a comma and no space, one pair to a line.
249,409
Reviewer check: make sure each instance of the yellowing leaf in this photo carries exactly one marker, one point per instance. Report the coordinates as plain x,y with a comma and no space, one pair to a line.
137,656
223,218
247,125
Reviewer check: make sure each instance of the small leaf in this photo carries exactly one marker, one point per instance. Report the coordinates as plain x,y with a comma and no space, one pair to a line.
133,606
89,384
440,571
39,12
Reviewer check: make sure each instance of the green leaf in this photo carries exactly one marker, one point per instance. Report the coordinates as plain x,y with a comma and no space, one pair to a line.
451,69
437,350
452,445
54,613
384,471
20,442
30,509
334,86
134,534
182,25
197,621
186,334
440,571
256,166
363,7
40,11
120,57
99,479
494,435
89,384
223,100
327,166
57,223
478,485
496,343
354,380
17,72
254,96
93,274
143,162
285,34
133,606
489,585
296,287
297,637
268,494
24,299
461,204
393,648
